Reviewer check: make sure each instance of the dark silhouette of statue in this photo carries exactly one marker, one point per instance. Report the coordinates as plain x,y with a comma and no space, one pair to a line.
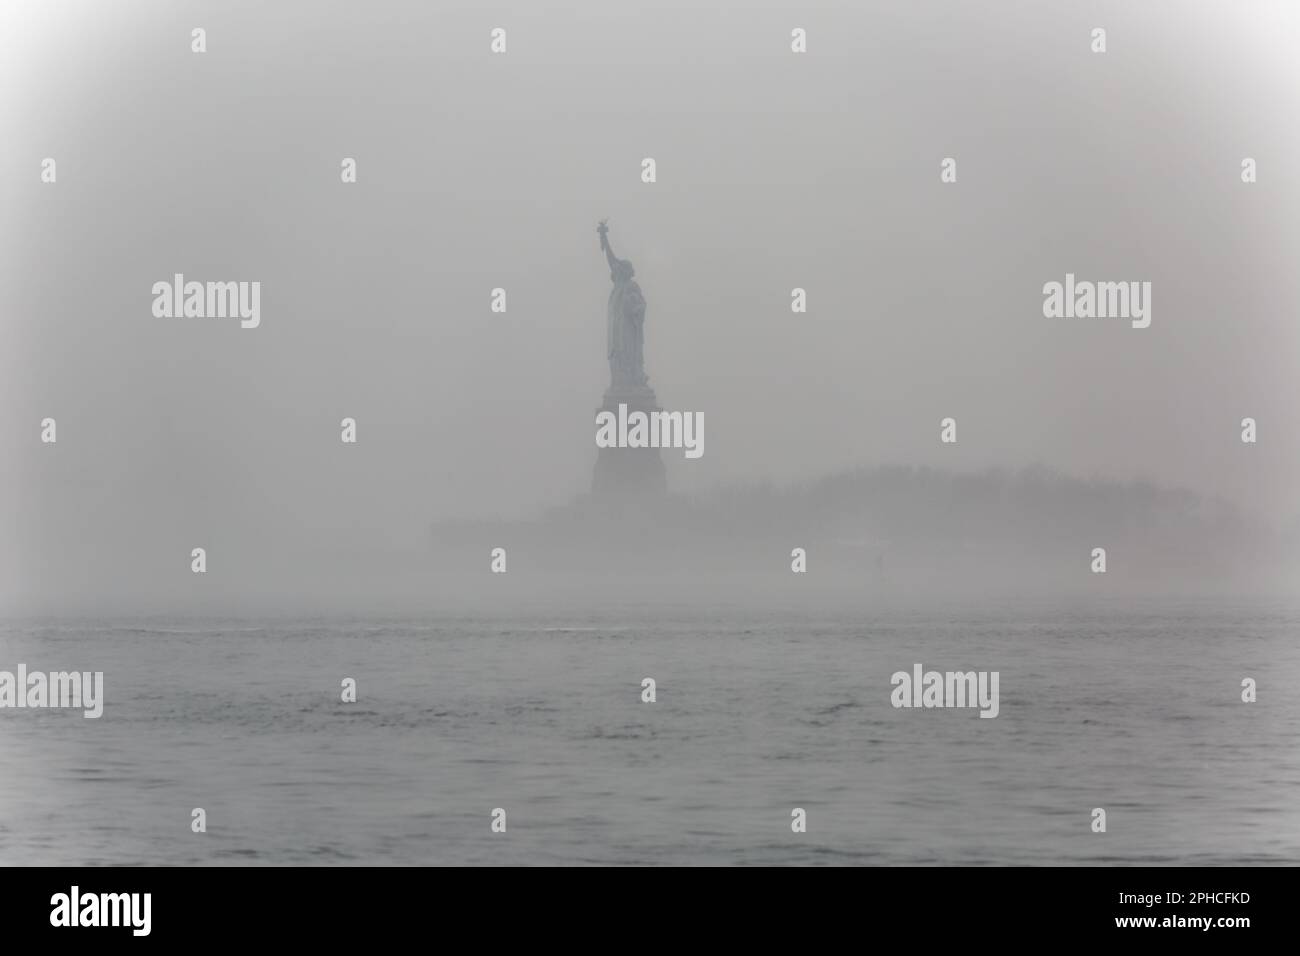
624,320
626,477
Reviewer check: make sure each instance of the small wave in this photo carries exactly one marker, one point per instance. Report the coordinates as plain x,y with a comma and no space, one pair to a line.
185,630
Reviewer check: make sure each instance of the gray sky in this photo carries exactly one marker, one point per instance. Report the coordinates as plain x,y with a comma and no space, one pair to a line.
477,171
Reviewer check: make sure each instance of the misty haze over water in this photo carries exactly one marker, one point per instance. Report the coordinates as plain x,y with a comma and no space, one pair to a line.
374,560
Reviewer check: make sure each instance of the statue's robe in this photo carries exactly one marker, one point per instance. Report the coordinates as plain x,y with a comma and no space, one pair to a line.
625,335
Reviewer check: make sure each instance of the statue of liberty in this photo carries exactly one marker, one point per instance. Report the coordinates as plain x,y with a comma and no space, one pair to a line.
624,321
630,476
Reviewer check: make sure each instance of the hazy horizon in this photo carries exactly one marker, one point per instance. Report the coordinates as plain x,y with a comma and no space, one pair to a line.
475,171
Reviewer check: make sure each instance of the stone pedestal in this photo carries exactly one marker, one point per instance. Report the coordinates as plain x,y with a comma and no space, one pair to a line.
627,473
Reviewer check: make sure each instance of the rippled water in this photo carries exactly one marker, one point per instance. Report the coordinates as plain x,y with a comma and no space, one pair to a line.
1133,709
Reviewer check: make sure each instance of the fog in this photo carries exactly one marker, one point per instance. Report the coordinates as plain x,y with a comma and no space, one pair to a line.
478,171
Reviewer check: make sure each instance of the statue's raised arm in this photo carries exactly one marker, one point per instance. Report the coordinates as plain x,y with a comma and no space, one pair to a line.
603,229
620,270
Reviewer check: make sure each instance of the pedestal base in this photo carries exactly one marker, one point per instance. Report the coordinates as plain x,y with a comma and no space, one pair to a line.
628,473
